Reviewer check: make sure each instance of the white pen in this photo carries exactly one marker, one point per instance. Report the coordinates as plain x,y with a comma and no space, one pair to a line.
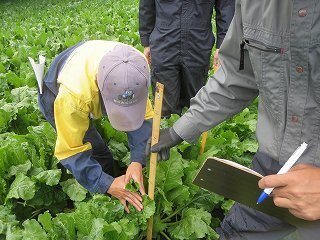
285,168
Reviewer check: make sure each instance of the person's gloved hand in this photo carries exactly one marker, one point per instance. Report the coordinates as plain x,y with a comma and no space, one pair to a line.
168,138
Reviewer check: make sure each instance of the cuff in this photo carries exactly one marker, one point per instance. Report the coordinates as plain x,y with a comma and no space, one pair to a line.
141,160
104,183
186,130
143,163
88,172
145,41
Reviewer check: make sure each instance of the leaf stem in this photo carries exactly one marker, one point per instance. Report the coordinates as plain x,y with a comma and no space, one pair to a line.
172,223
181,208
36,212
165,235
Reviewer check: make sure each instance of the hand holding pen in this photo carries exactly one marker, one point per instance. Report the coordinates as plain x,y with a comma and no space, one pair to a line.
285,168
298,190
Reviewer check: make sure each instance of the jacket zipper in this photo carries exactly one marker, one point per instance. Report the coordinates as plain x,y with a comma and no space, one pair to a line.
263,47
260,46
241,66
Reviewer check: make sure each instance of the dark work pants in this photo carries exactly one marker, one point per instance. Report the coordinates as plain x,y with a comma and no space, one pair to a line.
100,151
244,223
181,83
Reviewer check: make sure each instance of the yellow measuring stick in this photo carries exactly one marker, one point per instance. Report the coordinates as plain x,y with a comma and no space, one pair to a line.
203,142
154,156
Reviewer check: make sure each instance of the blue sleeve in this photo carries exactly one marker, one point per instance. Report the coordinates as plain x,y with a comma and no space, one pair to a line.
88,172
138,140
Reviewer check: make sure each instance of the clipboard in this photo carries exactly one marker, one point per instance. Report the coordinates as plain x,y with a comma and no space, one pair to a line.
240,184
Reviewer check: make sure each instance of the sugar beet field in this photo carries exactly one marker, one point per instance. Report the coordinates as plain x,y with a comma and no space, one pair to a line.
39,199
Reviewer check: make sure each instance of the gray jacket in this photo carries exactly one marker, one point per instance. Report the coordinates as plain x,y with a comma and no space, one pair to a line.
277,46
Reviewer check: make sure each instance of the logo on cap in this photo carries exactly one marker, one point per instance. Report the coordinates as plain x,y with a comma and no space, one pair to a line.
126,98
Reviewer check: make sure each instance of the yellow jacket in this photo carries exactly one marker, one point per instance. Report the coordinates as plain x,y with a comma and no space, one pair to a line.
78,98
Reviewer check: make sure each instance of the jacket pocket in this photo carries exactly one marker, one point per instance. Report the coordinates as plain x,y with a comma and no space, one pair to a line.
269,66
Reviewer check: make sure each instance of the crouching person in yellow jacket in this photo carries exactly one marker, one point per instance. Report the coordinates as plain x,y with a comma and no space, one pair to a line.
86,81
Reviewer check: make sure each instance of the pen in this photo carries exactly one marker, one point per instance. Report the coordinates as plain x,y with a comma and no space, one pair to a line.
285,168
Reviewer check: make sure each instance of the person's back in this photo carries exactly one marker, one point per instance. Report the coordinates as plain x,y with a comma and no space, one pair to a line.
79,72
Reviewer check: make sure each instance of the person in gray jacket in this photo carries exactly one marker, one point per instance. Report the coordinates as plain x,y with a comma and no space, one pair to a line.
177,38
272,50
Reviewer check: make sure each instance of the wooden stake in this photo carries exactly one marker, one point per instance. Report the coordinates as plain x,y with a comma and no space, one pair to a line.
203,142
154,156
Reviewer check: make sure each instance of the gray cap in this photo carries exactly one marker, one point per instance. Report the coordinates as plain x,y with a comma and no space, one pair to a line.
122,78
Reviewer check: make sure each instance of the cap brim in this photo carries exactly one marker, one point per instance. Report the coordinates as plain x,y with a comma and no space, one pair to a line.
126,118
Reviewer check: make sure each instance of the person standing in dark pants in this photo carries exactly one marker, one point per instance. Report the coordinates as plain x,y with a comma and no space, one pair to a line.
177,38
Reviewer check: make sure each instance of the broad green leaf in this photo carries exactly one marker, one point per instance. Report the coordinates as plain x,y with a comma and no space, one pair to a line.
12,151
170,172
118,150
140,218
2,68
33,230
14,233
226,205
7,219
74,190
163,204
191,170
249,145
49,197
22,187
5,118
191,152
158,226
97,232
103,207
122,230
112,231
179,195
46,132
22,168
49,177
205,199
46,221
3,190
83,219
64,226
148,206
194,224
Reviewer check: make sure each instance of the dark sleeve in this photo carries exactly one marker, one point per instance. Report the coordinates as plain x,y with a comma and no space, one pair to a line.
84,165
147,17
88,172
138,140
224,14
